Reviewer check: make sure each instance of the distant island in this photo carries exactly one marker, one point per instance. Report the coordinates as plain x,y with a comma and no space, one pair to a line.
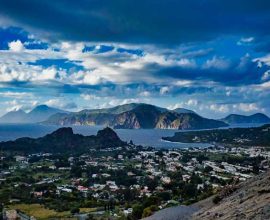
238,119
259,136
38,114
129,116
137,116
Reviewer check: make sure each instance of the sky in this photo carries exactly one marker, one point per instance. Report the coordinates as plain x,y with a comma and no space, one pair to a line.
209,56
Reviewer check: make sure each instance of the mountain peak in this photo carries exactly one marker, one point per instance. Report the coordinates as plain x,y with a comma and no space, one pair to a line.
41,107
15,116
108,133
183,111
18,110
65,131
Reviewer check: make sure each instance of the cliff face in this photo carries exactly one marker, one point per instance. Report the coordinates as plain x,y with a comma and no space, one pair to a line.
144,116
141,116
127,120
169,120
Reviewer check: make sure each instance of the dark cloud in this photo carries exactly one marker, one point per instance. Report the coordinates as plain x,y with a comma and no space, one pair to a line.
164,21
237,73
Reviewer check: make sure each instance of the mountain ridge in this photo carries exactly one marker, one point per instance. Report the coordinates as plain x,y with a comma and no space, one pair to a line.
38,114
252,136
137,116
254,118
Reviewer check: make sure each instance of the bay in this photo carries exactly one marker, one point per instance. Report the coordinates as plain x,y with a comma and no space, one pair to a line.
144,137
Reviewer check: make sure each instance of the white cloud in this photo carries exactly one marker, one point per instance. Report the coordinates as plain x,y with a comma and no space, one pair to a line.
183,83
18,95
223,108
164,90
190,103
246,107
61,103
266,75
217,63
16,46
246,40
145,94
89,97
264,59
114,102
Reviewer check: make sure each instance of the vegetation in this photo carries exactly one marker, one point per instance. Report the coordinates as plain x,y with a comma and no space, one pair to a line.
258,136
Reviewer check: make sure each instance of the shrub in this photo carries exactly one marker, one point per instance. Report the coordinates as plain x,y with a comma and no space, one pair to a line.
217,199
74,210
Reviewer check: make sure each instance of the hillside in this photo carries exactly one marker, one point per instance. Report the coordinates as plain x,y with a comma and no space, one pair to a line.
248,200
238,136
251,200
64,140
238,119
137,116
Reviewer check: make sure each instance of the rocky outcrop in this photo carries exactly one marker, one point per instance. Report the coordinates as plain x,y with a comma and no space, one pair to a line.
64,140
250,200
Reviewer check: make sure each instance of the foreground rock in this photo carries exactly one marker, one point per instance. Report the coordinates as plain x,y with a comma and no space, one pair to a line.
174,213
251,200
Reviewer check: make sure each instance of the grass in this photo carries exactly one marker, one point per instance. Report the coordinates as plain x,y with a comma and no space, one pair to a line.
86,210
39,212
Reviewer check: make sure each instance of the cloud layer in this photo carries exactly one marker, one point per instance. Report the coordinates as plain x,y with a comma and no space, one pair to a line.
165,21
210,56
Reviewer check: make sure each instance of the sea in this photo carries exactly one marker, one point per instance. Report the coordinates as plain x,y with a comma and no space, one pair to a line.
144,137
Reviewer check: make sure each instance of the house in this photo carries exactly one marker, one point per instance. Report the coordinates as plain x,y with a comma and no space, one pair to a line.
166,180
128,211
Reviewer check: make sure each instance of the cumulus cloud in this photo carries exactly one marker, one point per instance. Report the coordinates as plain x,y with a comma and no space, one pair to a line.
246,107
16,46
164,90
190,103
245,41
89,97
217,63
145,94
61,103
219,108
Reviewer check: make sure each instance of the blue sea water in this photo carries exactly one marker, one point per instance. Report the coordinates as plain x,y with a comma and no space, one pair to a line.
145,137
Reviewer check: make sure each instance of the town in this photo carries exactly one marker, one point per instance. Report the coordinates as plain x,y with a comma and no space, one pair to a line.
129,182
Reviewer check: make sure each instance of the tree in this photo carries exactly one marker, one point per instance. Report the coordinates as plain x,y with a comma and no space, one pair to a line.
137,211
149,211
75,210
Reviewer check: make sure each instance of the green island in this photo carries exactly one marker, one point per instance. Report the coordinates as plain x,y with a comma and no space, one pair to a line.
253,136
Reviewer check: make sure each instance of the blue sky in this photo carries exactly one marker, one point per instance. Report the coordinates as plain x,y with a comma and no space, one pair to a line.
209,56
